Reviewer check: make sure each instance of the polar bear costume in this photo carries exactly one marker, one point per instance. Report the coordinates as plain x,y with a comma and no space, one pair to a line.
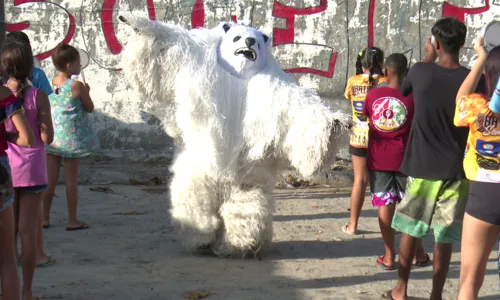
237,119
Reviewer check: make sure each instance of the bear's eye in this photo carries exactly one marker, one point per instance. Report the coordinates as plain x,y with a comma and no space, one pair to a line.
236,38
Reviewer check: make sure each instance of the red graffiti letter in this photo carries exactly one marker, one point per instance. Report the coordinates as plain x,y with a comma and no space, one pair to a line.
459,12
107,23
26,24
198,14
287,35
371,28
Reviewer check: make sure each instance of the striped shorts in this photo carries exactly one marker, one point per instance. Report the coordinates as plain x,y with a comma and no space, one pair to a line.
438,202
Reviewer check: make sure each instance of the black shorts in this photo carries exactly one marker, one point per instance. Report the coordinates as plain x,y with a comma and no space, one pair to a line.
361,152
484,202
387,187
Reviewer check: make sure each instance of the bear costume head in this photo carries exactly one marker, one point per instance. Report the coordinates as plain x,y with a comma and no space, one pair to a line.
243,50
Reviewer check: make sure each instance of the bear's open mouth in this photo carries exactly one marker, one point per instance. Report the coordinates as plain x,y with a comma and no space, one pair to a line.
248,53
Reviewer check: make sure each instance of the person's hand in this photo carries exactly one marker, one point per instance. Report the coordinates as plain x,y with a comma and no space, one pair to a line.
430,51
479,48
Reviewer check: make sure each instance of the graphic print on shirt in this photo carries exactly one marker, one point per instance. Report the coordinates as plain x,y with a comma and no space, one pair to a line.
356,90
389,114
482,153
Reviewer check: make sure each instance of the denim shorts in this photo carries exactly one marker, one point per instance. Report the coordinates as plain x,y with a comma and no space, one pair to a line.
6,191
34,189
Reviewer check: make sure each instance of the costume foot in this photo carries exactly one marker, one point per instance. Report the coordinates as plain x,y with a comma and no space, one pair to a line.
423,263
82,226
383,266
345,229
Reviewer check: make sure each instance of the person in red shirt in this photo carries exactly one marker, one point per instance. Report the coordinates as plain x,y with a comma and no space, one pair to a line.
390,117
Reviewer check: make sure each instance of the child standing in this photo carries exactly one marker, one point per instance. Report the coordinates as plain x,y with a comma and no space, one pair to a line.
368,75
390,116
73,135
39,80
482,167
10,108
28,165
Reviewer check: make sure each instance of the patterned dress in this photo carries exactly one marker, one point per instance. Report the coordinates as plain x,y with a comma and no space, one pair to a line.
73,134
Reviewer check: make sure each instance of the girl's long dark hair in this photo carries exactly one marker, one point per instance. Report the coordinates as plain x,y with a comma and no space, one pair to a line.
492,70
372,58
16,61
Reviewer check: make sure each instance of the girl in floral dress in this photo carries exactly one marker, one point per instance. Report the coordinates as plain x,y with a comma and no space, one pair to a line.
74,137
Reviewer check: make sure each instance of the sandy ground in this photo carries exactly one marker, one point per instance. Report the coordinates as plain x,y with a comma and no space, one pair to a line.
137,256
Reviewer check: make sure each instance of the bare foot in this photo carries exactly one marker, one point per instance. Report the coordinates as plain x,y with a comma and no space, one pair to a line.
347,230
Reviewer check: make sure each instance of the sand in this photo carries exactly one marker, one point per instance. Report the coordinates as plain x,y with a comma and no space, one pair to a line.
137,256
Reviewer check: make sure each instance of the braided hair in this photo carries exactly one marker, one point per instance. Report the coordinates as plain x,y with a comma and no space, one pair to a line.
16,61
373,59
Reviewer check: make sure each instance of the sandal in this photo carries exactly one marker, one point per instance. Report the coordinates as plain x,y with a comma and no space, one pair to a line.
387,295
50,261
81,227
380,264
344,229
423,263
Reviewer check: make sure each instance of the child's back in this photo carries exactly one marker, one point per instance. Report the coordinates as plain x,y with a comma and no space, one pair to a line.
29,167
390,116
73,135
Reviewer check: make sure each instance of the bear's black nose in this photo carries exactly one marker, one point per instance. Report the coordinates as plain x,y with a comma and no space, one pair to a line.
249,41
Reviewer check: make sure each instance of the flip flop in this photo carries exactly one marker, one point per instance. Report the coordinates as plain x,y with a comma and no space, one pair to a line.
387,295
424,263
81,227
344,229
380,264
50,261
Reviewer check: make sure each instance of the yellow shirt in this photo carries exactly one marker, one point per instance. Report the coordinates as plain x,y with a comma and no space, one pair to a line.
356,90
482,161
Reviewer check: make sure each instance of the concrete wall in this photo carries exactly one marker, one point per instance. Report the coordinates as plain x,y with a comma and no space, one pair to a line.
316,40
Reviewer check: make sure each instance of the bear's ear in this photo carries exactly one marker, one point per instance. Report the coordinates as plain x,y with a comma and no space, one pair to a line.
226,27
266,38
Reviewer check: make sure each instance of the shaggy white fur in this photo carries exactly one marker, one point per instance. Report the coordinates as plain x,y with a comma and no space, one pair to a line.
237,119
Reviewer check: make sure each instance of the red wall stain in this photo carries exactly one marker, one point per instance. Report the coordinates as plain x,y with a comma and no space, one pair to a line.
26,24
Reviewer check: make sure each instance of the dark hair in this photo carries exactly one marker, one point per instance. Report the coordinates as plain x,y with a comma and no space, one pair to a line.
16,61
451,34
359,67
492,70
397,63
372,58
64,54
20,37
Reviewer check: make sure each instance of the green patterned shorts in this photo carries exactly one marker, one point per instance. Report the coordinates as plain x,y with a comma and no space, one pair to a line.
426,201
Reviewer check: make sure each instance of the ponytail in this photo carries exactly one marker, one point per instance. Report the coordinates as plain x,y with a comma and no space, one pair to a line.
22,85
374,60
359,65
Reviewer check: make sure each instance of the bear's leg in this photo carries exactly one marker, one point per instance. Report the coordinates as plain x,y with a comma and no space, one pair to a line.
247,217
194,205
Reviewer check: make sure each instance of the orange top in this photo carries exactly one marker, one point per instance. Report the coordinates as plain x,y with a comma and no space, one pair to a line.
482,161
356,90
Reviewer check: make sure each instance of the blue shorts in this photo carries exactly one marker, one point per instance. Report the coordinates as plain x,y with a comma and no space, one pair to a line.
34,189
7,192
